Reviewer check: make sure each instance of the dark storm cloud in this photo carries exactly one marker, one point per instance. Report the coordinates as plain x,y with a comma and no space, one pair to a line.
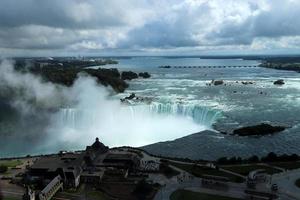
63,24
60,13
133,25
213,23
282,20
159,34
279,20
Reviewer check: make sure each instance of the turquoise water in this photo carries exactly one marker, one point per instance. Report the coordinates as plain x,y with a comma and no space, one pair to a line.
173,103
236,104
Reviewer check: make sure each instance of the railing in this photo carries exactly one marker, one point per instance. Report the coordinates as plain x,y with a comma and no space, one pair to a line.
51,189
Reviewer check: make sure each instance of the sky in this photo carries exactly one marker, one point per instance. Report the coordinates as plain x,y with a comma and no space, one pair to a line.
148,27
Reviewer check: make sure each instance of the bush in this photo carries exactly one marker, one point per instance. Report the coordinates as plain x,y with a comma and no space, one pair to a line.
143,189
3,168
165,169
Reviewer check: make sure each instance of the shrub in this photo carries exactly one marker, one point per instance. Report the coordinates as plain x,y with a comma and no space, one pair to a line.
3,168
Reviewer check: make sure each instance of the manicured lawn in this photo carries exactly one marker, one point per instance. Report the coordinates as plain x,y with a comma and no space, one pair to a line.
78,191
287,165
297,183
11,198
199,171
245,169
10,163
97,195
168,171
189,195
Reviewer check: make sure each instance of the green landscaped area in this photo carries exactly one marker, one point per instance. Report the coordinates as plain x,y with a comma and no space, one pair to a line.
189,195
97,195
78,190
168,171
200,171
287,165
245,169
10,163
11,198
297,183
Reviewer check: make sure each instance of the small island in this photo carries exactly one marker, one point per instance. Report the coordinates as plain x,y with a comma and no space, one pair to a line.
258,130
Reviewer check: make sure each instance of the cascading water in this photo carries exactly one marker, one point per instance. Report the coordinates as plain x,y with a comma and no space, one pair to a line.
201,115
134,125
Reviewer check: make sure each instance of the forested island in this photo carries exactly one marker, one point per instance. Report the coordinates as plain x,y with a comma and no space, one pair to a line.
281,65
65,71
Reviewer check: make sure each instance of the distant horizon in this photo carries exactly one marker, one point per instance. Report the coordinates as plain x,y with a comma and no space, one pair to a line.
148,28
173,55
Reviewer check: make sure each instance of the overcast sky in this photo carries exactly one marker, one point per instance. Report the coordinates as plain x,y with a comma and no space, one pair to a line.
151,27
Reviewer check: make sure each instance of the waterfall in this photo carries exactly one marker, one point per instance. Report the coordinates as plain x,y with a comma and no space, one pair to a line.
133,125
199,114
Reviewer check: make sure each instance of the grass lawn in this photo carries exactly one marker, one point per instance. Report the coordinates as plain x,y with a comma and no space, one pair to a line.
297,183
168,171
97,195
189,195
11,198
10,163
76,191
199,171
287,165
245,169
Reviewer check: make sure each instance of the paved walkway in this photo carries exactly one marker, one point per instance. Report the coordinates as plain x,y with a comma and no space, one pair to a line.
233,173
286,183
273,166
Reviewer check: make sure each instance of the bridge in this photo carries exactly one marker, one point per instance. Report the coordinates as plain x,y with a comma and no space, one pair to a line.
207,66
51,189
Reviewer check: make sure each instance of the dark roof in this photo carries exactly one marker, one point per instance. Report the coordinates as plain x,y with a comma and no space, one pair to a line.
119,157
97,146
69,162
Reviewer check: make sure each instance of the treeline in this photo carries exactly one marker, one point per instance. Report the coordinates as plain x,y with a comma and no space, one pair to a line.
67,63
67,75
282,66
271,157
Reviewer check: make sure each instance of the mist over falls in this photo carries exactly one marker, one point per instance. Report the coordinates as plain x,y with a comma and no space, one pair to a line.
136,125
41,117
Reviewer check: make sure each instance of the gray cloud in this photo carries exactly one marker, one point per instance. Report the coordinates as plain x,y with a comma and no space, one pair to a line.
133,25
212,23
279,20
74,14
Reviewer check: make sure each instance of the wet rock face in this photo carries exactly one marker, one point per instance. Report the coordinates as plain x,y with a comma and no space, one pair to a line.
144,75
261,129
129,75
218,82
247,82
165,67
131,96
279,82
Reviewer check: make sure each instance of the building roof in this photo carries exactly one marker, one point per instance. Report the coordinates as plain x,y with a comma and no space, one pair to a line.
97,146
120,156
69,162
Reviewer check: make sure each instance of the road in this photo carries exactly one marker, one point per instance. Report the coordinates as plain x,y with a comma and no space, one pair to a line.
286,183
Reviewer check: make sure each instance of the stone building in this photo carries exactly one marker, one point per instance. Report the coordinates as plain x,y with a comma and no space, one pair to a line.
87,166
